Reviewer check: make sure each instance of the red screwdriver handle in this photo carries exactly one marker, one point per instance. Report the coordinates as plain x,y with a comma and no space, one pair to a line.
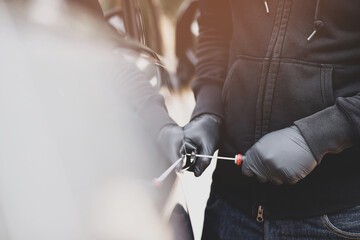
238,159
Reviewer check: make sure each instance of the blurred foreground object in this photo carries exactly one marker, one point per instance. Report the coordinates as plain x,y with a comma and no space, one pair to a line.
138,20
76,159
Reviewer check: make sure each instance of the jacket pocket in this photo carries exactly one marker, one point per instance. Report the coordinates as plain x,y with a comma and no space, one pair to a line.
228,80
301,89
345,224
239,96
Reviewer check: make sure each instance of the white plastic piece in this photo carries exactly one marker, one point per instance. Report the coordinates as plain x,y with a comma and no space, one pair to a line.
267,7
311,35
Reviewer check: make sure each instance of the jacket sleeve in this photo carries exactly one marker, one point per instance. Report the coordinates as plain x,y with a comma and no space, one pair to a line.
135,90
333,129
215,30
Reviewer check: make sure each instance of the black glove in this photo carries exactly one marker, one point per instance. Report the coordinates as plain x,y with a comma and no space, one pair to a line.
280,156
170,140
201,136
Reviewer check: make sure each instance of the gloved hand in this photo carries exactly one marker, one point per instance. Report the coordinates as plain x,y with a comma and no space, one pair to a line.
201,136
279,157
170,140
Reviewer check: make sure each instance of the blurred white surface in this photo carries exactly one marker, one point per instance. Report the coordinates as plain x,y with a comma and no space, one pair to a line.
195,190
68,147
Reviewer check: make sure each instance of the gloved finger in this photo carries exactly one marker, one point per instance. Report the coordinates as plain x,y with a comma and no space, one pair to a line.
290,177
188,148
245,169
260,175
292,180
262,178
200,165
276,181
191,168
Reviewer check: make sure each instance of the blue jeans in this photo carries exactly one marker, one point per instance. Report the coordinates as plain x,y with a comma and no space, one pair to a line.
223,221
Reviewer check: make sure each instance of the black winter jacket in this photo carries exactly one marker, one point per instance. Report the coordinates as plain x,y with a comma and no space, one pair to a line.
263,69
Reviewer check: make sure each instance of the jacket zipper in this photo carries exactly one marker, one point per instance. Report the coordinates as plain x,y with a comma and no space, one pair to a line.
260,214
266,80
269,70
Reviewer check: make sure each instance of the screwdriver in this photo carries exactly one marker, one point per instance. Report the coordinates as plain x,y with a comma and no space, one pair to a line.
237,159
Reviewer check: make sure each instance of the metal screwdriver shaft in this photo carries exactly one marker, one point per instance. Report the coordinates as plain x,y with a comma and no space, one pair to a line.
237,159
208,156
159,180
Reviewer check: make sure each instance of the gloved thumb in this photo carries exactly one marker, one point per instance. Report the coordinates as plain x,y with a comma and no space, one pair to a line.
200,166
245,166
202,163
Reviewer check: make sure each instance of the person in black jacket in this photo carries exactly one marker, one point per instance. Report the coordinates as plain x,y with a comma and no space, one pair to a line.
279,81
